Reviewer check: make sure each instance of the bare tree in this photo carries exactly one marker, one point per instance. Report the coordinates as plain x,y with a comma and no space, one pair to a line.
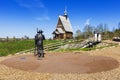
119,25
100,28
88,31
105,31
78,34
117,33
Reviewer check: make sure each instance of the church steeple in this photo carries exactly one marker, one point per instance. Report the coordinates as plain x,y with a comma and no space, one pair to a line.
65,13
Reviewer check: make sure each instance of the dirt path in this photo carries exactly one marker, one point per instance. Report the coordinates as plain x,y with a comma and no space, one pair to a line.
10,73
62,63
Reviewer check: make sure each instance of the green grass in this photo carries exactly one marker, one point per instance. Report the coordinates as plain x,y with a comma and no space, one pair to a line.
7,48
50,41
110,45
73,49
85,49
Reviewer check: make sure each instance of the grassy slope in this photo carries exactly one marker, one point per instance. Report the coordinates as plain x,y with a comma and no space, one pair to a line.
86,49
7,48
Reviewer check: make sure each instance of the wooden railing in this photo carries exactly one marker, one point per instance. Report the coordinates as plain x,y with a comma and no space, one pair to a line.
48,47
56,45
53,46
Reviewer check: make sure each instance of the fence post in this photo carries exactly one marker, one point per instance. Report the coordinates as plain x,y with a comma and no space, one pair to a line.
60,43
47,47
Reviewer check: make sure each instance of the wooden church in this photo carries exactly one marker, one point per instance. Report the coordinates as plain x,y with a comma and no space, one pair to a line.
63,28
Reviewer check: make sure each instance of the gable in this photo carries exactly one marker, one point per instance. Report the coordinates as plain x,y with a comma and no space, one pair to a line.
60,25
66,23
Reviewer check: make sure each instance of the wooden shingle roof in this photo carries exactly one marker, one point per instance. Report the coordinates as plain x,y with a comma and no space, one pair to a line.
66,23
60,30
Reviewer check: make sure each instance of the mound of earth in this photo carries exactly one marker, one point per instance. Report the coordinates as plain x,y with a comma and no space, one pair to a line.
62,63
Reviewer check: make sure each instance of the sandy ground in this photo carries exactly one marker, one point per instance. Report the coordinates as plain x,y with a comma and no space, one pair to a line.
62,63
15,73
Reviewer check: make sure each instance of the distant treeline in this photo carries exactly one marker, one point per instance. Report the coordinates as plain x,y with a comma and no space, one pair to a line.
7,39
103,29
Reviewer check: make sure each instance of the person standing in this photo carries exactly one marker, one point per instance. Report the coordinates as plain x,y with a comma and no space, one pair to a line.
39,37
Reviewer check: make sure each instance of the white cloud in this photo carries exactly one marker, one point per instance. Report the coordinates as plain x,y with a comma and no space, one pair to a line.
44,18
30,3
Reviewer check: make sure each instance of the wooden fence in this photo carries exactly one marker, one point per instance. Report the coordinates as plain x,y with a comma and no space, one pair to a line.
54,46
48,47
51,46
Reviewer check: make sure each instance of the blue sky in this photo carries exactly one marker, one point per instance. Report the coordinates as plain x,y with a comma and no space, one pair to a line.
22,17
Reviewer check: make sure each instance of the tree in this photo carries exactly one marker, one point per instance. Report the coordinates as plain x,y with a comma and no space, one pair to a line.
117,33
105,31
100,28
110,34
105,28
78,34
113,29
88,31
119,25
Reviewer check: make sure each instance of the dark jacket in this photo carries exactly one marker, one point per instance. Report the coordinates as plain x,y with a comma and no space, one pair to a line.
39,37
